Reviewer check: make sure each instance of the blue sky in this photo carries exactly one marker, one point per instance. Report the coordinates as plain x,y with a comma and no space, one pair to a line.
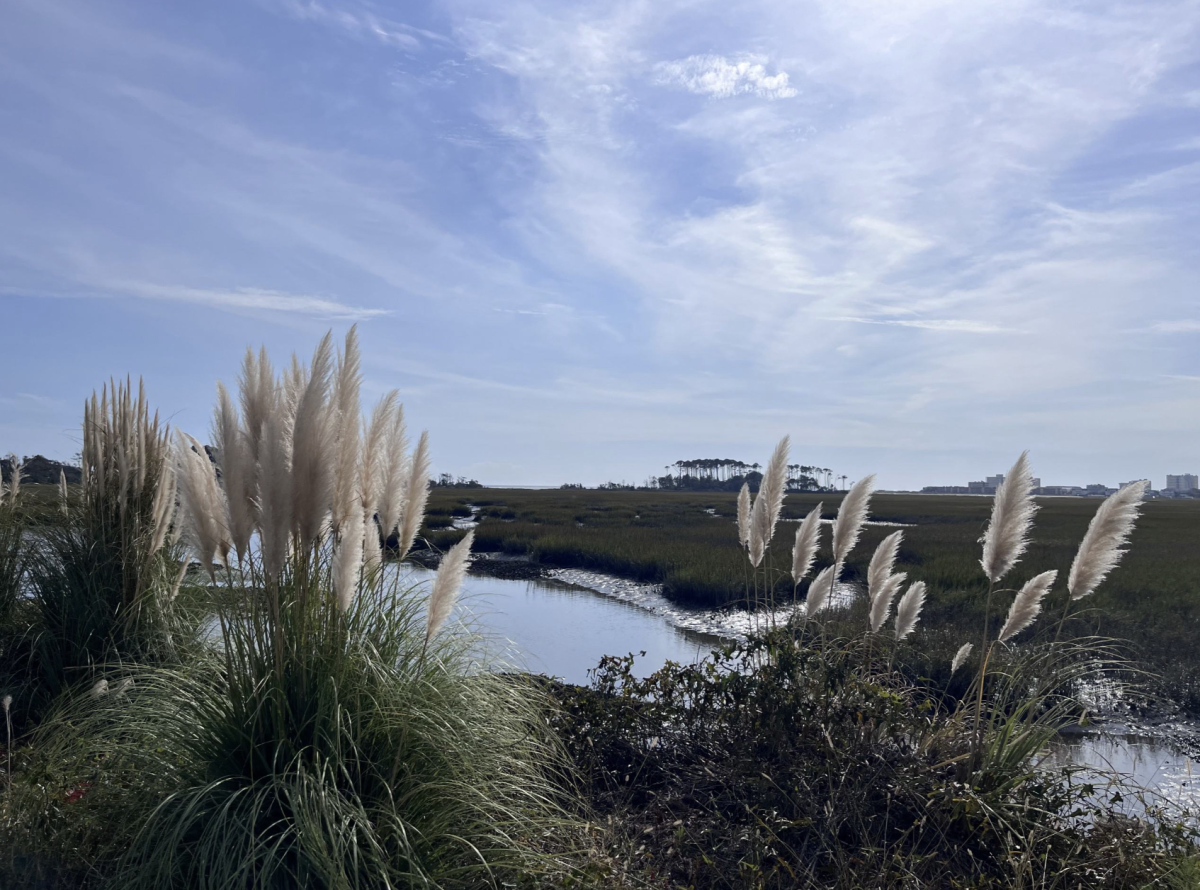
586,239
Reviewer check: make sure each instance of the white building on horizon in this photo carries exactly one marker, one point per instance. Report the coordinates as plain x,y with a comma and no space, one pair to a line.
1182,482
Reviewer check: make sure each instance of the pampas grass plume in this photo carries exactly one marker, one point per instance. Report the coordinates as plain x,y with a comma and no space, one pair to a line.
743,514
416,495
769,501
237,470
394,474
447,584
1101,548
808,538
1007,533
203,503
15,469
348,559
909,610
347,432
313,460
275,486
1027,605
961,656
819,592
881,600
883,560
851,516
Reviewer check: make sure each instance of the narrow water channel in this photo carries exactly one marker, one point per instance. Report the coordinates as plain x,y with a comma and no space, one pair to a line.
562,629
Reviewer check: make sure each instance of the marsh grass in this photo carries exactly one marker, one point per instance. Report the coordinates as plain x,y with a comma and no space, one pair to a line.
1152,600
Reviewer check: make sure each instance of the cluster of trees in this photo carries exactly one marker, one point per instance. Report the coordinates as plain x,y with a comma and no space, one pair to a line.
446,480
40,470
726,474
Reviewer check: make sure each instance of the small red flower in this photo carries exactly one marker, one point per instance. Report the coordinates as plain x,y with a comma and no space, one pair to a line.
78,791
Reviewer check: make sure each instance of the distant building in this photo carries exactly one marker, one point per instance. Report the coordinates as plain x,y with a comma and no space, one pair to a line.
994,481
1182,482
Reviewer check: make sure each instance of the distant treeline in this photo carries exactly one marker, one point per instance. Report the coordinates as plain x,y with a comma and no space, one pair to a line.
727,474
40,470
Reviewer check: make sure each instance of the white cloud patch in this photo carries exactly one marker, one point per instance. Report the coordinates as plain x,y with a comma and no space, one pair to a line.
722,78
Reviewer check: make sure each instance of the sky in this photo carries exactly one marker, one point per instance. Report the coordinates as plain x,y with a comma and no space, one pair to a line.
587,239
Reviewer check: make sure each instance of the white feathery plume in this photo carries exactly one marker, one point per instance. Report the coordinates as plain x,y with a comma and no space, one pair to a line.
15,468
416,493
204,510
961,656
808,538
313,456
99,689
256,391
447,584
756,546
62,491
275,485
769,501
1007,533
237,469
743,514
908,612
819,592
348,558
395,475
1101,548
883,560
1027,605
881,600
850,517
372,468
372,474
347,419
163,511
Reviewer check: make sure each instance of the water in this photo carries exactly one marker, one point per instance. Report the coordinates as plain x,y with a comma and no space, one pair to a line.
561,629
1168,777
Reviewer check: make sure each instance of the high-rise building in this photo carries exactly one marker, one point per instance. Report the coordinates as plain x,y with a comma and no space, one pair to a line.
1182,482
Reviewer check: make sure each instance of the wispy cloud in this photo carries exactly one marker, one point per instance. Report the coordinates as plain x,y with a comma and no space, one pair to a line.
354,18
1182,326
249,299
722,78
952,325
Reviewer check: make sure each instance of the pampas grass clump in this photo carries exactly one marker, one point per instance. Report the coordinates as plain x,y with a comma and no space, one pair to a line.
342,735
101,579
